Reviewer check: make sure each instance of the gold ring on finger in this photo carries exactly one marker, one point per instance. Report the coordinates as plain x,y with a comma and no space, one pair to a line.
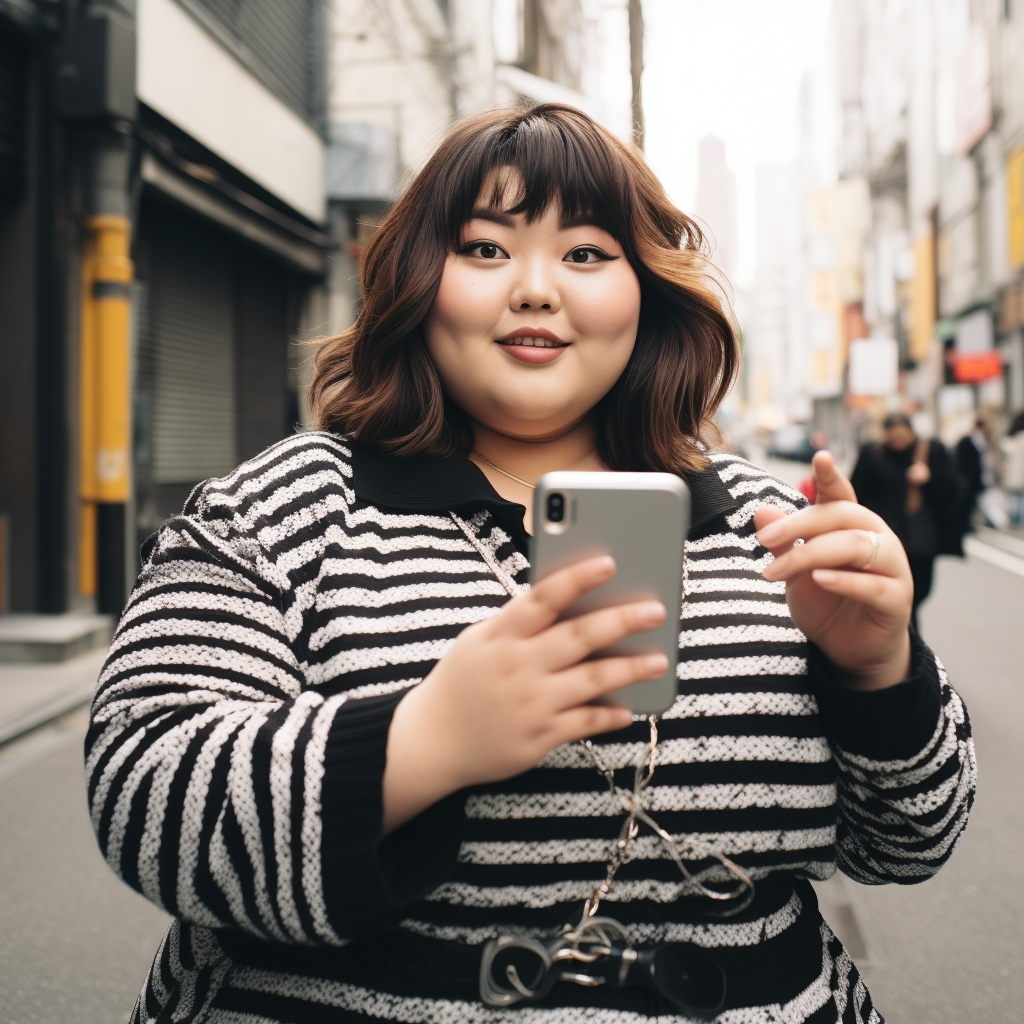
876,543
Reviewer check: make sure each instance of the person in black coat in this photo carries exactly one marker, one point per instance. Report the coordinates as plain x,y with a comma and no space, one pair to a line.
972,462
913,485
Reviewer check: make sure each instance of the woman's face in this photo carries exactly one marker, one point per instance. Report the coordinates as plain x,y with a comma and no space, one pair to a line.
532,323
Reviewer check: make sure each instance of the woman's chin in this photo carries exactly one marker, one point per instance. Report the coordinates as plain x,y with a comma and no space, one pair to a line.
530,429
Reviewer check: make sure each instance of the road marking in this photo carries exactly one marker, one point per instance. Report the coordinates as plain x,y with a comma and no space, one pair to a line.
28,750
995,556
53,709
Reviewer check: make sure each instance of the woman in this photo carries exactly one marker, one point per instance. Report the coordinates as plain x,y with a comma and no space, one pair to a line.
336,736
912,484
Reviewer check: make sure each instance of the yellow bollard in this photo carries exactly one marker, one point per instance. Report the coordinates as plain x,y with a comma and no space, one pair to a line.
105,388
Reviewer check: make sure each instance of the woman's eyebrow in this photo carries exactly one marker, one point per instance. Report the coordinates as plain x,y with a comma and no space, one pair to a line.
495,216
580,222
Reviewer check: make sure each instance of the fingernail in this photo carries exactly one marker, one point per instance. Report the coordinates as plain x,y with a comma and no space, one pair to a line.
651,612
824,576
656,664
768,534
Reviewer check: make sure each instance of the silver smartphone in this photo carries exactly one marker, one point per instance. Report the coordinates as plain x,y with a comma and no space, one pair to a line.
641,520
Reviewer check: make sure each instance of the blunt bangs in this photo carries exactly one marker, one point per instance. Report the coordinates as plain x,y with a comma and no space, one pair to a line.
563,162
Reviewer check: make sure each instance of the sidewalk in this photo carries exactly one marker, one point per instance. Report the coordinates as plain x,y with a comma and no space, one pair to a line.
33,694
1004,548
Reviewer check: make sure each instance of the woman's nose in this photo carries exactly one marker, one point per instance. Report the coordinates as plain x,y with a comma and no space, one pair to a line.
535,289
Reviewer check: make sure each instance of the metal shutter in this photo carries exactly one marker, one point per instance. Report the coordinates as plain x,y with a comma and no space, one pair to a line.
282,44
261,353
13,118
192,344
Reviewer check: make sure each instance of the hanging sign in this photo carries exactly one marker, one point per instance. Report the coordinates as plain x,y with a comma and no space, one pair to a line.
874,367
975,367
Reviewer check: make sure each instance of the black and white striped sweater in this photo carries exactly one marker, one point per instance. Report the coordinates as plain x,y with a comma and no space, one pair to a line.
238,736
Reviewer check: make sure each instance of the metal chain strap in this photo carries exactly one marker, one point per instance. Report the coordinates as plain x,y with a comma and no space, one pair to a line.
632,802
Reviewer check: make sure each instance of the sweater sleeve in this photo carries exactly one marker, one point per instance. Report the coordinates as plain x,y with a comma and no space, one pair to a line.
220,786
907,771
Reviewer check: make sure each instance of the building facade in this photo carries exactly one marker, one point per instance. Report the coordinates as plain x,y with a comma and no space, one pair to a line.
162,231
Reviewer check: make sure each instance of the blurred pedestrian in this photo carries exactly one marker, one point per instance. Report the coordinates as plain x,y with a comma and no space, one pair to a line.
974,461
1013,467
912,484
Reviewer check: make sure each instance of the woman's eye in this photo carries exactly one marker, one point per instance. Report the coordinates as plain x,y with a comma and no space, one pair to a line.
486,251
587,254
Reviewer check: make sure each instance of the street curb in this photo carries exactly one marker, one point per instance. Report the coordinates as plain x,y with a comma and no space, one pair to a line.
994,556
43,715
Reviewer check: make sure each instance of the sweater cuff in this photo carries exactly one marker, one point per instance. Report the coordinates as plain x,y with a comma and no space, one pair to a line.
368,881
894,724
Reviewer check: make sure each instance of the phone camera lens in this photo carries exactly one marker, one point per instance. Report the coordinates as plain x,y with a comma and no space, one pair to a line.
556,507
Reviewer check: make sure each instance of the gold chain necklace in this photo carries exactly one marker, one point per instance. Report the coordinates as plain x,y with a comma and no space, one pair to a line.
519,479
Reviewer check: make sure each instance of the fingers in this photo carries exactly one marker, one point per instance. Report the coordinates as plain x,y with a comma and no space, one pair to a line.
816,520
589,720
575,639
831,484
765,515
853,549
884,593
545,601
594,679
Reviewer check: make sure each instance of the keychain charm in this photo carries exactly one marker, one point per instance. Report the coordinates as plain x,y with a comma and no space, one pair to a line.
523,970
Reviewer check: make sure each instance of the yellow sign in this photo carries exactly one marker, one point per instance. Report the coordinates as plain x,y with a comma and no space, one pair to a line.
922,298
1015,204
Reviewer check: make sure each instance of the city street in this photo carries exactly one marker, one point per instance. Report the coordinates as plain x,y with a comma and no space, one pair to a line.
76,943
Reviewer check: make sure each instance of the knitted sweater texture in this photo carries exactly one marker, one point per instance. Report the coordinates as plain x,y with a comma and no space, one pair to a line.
238,739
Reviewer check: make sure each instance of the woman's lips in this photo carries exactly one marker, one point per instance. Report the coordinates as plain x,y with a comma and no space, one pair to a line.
533,349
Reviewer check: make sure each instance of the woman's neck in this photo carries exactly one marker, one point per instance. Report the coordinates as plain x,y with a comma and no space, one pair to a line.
498,455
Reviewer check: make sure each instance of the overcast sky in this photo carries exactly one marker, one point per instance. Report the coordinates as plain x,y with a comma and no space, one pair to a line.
730,68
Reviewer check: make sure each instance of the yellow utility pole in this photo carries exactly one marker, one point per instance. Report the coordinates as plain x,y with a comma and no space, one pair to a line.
105,407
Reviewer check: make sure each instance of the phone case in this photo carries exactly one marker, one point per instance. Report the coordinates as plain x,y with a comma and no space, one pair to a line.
641,520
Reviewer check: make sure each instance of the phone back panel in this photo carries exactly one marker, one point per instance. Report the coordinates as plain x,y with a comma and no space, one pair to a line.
641,520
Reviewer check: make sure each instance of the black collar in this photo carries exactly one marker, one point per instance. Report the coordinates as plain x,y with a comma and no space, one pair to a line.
427,484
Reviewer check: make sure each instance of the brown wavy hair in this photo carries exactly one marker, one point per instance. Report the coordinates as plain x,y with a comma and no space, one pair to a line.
376,381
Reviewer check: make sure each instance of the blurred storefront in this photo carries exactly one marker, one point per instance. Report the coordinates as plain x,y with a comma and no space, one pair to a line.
162,215
229,239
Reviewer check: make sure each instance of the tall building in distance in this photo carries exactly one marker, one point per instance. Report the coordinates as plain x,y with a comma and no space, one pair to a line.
716,203
771,324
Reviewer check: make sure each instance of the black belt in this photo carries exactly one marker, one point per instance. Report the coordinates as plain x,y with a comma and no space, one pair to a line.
522,970
401,963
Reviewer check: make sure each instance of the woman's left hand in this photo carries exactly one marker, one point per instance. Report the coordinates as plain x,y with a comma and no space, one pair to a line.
848,596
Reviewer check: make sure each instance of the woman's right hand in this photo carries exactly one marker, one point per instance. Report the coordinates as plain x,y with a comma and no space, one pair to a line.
512,688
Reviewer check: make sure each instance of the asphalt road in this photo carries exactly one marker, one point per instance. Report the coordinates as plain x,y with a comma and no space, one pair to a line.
75,943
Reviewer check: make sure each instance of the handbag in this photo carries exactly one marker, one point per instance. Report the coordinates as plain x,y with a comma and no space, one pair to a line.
915,495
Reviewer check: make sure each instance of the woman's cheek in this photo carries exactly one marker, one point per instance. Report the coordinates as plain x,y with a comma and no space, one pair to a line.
610,311
467,304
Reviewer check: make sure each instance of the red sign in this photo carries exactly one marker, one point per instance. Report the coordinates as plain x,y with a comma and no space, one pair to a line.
974,367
